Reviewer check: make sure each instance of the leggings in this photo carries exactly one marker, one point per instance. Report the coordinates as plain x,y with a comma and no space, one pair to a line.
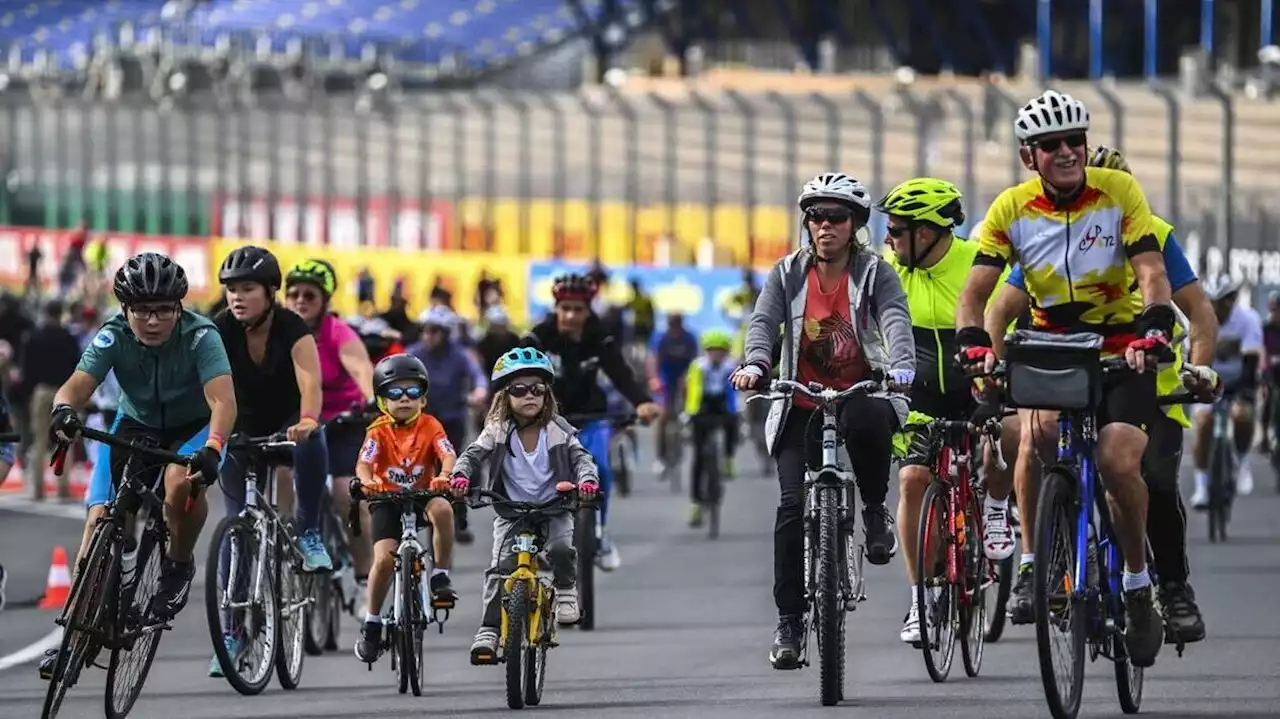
310,476
595,438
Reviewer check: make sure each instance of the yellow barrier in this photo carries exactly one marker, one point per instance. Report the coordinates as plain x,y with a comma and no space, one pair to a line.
458,271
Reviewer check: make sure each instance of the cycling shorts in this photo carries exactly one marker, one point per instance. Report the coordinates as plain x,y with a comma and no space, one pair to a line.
384,520
108,469
916,445
1164,454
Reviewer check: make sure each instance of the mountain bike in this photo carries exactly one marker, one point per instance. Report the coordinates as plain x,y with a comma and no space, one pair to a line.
109,606
1222,471
832,559
254,600
528,598
406,619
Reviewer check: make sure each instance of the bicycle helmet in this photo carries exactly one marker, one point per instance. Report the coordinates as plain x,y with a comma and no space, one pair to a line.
1051,112
573,287
398,367
1109,158
1221,287
925,199
314,272
838,187
440,317
150,277
521,360
251,264
716,340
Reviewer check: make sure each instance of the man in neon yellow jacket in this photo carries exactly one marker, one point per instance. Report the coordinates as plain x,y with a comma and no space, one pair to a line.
710,404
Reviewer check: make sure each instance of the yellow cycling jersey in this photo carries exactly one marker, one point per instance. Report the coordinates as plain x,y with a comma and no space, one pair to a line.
1075,256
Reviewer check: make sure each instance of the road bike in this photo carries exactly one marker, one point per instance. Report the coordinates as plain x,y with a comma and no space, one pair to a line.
406,619
1222,471
255,604
109,606
832,559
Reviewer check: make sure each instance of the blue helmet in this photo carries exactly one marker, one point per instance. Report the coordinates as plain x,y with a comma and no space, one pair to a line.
521,360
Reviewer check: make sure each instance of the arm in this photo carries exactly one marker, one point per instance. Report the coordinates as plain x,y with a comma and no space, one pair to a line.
762,330
1195,304
355,360
220,394
895,318
1010,302
306,367
1141,246
364,465
95,363
475,456
619,372
995,252
651,358
77,390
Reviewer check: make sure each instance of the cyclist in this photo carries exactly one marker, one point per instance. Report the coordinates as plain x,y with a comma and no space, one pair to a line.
854,323
1084,236
932,264
579,348
670,354
401,451
176,390
710,405
1237,359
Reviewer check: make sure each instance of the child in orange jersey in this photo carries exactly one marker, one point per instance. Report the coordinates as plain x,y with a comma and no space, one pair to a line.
405,449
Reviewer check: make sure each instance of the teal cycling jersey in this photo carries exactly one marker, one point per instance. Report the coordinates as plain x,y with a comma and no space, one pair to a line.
161,387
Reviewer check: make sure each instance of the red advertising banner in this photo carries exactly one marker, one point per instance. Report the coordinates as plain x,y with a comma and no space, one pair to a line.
401,224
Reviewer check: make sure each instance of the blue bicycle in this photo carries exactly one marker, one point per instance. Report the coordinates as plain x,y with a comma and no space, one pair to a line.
1078,590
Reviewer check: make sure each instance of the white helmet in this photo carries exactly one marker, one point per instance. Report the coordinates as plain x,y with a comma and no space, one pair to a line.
839,187
438,316
1220,286
1051,112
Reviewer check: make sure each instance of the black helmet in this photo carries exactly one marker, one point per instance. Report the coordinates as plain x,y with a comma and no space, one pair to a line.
397,368
574,287
150,277
253,264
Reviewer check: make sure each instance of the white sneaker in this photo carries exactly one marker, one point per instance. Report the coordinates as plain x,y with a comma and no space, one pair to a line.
659,469
567,611
1244,478
1200,498
910,633
997,535
607,556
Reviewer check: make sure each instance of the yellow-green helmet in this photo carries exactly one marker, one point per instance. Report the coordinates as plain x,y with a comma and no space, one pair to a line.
716,340
1109,158
314,272
925,199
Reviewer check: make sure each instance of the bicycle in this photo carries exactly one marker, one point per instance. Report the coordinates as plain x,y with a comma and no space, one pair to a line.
832,561
528,598
109,606
951,520
1222,471
586,528
406,620
711,459
621,451
253,578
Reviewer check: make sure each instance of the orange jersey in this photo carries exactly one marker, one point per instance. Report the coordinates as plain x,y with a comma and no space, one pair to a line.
404,456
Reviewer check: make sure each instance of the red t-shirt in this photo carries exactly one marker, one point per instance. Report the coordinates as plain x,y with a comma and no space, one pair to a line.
829,350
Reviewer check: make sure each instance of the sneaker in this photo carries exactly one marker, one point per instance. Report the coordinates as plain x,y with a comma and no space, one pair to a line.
1244,478
484,648
175,587
315,558
1143,626
607,556
785,653
910,633
695,515
1021,600
443,594
567,611
1181,613
997,535
659,469
882,542
1200,497
233,648
369,646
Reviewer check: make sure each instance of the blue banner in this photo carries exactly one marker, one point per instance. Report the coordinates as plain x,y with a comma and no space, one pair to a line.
698,294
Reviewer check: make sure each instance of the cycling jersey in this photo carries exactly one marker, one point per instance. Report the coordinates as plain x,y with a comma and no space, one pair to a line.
339,388
267,394
1076,254
674,351
1241,334
404,456
160,387
710,381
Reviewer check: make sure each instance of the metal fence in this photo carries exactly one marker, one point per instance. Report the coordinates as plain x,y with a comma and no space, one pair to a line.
617,169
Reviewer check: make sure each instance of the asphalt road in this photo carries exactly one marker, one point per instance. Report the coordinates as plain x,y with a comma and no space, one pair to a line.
683,631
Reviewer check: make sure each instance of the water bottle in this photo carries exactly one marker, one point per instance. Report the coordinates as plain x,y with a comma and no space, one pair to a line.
1091,558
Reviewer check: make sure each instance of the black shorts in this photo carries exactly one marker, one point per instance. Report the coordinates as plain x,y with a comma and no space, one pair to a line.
957,405
1164,454
344,449
1130,398
384,520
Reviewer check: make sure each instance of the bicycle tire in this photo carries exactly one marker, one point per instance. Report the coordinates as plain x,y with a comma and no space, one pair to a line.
1220,461
997,614
84,608
535,657
829,604
584,539
1129,679
411,622
712,485
977,573
621,466
337,605
934,529
515,643
240,531
1057,505
148,568
319,587
291,627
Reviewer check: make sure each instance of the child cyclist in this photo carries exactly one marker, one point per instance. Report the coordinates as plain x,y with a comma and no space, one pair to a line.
530,453
710,405
400,452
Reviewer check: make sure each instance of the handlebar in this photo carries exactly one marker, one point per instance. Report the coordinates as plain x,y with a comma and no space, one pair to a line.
782,388
563,500
358,416
621,420
129,446
266,443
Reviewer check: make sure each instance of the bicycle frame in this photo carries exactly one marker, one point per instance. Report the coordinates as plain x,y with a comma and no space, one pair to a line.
410,547
953,468
525,544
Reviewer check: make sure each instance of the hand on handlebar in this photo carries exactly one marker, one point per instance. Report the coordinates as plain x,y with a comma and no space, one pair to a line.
460,486
301,431
441,483
64,424
648,412
748,376
204,466
1202,382
588,488
1145,353
900,380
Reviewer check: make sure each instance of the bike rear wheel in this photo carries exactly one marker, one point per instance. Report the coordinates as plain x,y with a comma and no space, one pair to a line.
936,595
81,618
584,539
712,483
319,587
828,602
1056,611
293,598
1220,472
412,619
997,612
131,662
251,623
517,640
535,656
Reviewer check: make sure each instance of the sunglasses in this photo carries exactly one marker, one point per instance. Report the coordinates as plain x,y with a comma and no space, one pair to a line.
520,390
1052,144
835,217
395,393
307,295
897,232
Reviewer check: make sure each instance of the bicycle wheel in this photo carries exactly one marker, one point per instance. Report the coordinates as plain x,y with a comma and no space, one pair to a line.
517,640
81,618
337,605
828,604
584,540
412,616
535,657
675,454
318,588
242,626
1129,678
997,611
1055,609
1220,472
712,485
131,662
294,601
977,573
936,596
621,465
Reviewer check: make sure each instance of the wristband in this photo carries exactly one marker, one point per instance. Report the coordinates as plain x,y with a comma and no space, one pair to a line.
215,441
308,418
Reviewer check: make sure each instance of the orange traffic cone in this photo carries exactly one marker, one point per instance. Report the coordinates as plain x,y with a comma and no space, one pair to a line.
58,585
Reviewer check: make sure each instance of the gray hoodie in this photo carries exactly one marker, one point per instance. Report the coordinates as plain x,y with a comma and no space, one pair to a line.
877,306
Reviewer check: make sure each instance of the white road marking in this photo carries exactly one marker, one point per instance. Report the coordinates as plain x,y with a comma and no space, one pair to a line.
32,652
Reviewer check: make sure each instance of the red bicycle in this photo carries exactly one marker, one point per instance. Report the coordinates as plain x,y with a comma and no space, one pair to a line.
954,571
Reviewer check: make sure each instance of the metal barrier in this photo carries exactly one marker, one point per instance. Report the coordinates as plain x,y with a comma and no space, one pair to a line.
599,172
